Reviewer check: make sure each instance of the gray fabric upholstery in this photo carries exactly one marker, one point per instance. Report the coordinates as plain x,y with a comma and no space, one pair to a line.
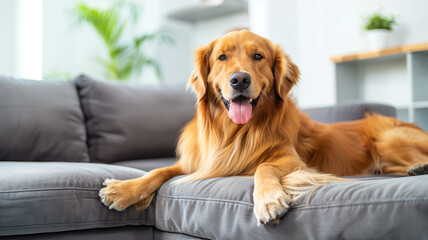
148,164
37,197
41,120
348,111
222,208
114,233
162,235
132,121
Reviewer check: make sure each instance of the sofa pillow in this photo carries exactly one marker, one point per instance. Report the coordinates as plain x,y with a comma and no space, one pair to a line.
41,121
128,121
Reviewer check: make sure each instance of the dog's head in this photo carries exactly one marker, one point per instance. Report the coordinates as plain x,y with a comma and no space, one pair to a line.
244,70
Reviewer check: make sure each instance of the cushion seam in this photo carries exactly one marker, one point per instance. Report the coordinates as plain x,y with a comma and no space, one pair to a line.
87,114
206,199
73,223
46,159
93,141
356,204
181,232
57,198
49,189
302,207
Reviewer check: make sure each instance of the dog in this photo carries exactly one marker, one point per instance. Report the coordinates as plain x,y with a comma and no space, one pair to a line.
247,124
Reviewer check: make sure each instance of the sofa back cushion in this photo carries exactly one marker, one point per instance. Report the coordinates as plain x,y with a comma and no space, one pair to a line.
41,121
127,121
348,111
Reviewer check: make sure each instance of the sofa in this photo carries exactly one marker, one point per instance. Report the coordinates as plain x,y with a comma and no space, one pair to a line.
60,140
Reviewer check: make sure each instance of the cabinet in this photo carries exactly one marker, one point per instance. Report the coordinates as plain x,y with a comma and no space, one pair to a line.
397,76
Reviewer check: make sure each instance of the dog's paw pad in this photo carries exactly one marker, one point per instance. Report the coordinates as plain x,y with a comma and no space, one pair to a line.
270,210
418,169
113,195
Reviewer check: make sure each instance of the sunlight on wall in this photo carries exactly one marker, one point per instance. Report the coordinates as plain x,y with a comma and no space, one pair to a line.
29,39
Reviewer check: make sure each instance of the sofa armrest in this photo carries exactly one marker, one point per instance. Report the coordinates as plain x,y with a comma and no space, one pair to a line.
348,111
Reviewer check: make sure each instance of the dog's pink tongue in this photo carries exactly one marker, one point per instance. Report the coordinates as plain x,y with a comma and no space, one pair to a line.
240,111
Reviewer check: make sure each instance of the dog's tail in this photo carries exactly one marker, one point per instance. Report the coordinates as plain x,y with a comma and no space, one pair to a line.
300,182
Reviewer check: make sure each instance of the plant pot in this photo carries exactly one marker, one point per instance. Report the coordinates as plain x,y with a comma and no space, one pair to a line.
378,39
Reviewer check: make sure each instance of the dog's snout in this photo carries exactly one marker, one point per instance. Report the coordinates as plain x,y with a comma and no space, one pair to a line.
240,80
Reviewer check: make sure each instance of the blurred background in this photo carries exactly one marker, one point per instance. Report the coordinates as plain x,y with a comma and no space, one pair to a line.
152,42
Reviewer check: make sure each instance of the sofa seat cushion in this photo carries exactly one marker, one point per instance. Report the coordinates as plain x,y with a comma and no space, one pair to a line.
373,208
39,197
148,164
41,120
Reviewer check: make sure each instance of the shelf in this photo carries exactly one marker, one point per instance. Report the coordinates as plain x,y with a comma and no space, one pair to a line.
403,114
419,104
397,76
422,104
401,107
381,53
421,118
208,9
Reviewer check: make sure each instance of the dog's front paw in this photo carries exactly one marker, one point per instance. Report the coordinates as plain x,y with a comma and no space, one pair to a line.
118,194
270,205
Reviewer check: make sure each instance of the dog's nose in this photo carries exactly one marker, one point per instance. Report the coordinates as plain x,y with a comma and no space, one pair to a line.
240,80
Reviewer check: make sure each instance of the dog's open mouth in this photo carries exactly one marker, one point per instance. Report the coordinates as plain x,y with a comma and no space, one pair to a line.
240,108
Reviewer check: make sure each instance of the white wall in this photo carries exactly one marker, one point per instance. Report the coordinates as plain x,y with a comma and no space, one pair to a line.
177,60
385,82
7,37
209,29
28,48
330,27
73,48
277,21
310,31
21,38
68,46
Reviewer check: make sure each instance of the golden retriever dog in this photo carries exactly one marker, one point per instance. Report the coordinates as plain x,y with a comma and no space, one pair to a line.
247,124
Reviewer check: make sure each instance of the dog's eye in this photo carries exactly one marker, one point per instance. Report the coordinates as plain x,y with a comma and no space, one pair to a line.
258,56
222,57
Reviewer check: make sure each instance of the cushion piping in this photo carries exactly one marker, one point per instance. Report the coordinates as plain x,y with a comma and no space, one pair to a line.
302,207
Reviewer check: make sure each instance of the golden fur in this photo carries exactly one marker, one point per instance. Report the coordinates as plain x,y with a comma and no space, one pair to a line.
280,146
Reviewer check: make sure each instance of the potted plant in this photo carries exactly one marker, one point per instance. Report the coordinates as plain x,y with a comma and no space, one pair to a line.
379,28
125,58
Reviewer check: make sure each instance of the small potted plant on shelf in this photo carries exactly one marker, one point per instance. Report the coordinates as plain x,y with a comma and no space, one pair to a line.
379,28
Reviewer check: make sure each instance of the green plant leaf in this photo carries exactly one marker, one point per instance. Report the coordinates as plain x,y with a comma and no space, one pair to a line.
379,21
57,75
124,59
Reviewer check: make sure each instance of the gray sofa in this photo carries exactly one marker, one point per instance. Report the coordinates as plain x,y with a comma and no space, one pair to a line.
60,140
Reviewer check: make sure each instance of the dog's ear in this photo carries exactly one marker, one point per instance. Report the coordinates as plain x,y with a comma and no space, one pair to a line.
285,72
199,76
